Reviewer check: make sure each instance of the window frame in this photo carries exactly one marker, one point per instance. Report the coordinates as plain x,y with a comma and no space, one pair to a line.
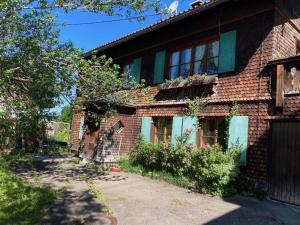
200,136
192,46
154,128
128,63
120,129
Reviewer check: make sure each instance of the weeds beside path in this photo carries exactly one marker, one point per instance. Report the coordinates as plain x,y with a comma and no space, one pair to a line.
22,202
49,192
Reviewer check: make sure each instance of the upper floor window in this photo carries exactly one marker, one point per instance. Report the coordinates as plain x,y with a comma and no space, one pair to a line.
128,71
199,59
180,63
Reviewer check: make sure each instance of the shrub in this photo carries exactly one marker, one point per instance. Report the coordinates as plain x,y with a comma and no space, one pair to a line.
214,170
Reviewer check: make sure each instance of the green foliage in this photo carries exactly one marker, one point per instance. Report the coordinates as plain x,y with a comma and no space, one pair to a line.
16,158
127,166
66,114
195,107
99,195
161,156
232,112
6,130
247,187
211,170
37,69
214,170
21,203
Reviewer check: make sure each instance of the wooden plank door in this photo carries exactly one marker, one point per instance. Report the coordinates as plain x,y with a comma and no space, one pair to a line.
285,161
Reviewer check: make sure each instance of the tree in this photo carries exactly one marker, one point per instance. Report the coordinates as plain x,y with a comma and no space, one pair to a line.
66,114
36,69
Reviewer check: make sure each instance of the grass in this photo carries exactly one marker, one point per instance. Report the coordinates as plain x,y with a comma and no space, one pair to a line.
180,181
22,203
99,195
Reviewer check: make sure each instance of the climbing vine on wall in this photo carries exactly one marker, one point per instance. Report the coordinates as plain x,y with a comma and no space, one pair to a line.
232,112
195,107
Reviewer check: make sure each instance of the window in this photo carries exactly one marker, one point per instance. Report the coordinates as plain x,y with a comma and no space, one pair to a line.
118,127
199,59
207,58
211,132
128,71
180,63
162,129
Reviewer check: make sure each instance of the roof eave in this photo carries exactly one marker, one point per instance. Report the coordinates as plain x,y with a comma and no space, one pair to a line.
155,27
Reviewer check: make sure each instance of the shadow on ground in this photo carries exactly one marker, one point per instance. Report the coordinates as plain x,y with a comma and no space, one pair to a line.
75,204
258,212
75,208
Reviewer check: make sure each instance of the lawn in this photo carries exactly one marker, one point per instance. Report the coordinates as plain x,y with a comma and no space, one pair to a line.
21,202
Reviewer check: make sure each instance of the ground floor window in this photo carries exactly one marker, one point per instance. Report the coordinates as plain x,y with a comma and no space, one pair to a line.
212,131
161,129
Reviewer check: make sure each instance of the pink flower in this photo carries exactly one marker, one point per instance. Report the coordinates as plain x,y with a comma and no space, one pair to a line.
187,131
166,145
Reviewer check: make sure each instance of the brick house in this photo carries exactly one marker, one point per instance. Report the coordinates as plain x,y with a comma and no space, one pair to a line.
245,47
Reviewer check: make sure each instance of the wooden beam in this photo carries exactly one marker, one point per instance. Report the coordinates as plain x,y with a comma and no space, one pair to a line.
282,14
280,72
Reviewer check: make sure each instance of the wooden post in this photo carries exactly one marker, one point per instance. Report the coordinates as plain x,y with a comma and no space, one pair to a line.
280,72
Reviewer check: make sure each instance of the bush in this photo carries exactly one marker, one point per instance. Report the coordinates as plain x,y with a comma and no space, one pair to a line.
213,170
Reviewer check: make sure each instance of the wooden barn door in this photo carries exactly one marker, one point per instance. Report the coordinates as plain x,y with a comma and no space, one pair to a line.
285,161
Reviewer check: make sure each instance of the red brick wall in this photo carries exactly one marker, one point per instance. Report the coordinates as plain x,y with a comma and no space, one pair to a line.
284,34
75,127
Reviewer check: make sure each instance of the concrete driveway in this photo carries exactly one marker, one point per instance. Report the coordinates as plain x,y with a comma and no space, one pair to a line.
137,200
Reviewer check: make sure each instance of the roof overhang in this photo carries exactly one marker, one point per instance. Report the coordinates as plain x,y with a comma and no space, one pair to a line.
158,25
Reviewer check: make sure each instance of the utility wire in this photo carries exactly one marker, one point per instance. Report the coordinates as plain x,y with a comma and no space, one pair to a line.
107,21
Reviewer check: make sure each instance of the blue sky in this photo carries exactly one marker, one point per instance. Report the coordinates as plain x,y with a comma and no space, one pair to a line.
87,37
90,36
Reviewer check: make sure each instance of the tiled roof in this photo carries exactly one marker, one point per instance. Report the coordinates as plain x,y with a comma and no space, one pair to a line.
158,25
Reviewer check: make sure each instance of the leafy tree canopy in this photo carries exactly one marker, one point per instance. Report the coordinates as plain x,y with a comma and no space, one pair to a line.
36,68
66,114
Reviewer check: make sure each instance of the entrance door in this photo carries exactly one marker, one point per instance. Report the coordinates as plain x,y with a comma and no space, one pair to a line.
285,161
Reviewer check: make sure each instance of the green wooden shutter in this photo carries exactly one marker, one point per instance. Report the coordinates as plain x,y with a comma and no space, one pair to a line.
137,63
190,123
81,127
227,52
146,128
159,68
176,128
238,133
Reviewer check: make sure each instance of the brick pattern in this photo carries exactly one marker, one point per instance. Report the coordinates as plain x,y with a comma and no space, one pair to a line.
284,33
75,127
291,106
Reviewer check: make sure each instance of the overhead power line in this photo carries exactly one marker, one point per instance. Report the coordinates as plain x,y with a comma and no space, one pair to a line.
107,21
